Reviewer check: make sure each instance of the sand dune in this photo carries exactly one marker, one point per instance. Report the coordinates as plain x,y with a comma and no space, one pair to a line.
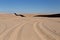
29,28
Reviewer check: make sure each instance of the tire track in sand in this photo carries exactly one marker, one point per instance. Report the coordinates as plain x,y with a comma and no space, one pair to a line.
40,29
44,33
7,35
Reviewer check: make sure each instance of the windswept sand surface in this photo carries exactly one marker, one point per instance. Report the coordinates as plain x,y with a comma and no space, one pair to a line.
29,28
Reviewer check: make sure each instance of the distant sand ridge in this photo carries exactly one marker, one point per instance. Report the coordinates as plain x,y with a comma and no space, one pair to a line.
29,28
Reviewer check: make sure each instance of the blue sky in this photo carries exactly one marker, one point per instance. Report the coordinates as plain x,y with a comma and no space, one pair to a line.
30,6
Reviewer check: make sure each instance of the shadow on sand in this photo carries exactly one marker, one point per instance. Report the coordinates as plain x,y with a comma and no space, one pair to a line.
19,15
51,15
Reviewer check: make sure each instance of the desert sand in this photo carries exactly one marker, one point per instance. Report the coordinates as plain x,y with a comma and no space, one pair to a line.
29,28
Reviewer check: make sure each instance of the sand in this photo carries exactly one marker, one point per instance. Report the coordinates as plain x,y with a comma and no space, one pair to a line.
29,28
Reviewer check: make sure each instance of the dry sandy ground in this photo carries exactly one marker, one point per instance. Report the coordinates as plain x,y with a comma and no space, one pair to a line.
29,28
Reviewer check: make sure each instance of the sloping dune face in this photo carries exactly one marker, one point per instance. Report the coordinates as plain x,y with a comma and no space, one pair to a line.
29,28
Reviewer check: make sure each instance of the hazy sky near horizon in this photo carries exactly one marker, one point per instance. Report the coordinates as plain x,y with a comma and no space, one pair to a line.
30,6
